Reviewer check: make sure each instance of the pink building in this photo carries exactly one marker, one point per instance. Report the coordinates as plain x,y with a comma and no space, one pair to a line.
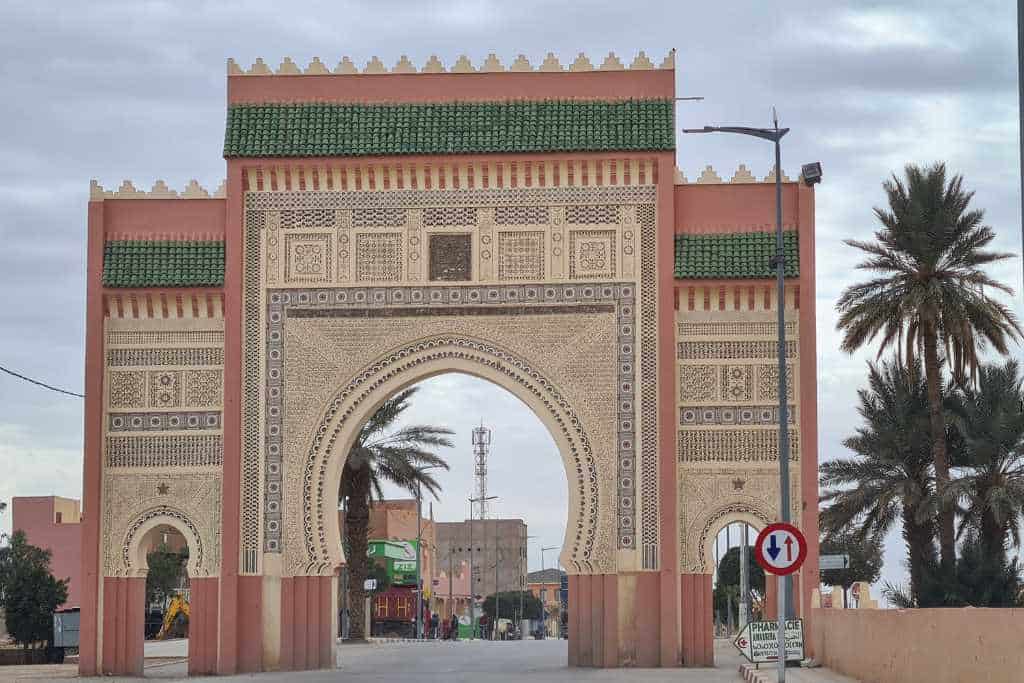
54,523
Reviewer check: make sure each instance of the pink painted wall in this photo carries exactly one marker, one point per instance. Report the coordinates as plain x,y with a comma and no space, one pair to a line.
447,87
37,517
962,645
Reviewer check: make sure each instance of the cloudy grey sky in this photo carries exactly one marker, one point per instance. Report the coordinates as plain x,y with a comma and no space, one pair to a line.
114,90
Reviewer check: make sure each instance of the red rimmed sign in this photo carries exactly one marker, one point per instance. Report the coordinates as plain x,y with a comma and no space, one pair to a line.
780,549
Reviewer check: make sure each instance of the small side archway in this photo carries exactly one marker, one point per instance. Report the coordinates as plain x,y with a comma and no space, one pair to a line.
144,534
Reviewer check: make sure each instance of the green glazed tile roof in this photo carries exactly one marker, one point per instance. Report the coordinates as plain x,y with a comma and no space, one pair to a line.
322,129
737,255
163,263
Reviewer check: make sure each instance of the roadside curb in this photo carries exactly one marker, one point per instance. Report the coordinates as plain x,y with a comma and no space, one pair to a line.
752,675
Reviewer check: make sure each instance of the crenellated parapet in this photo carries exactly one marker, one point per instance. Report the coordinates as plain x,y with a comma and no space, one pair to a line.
160,190
708,176
492,64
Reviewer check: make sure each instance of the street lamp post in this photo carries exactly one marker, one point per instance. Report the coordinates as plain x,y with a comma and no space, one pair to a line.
775,135
472,593
419,552
543,607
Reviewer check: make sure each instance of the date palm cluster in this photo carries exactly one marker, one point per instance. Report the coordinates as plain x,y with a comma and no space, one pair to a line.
940,451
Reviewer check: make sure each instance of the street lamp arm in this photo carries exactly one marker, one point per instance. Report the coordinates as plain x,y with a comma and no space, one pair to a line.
773,134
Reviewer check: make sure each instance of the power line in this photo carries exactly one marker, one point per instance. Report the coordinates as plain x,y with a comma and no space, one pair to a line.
41,384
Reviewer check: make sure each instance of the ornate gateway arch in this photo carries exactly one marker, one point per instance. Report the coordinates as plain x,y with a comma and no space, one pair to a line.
376,228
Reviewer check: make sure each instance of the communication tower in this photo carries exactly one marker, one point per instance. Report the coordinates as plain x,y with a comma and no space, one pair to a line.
481,448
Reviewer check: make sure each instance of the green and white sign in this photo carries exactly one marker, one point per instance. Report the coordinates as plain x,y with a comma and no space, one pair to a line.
398,559
759,641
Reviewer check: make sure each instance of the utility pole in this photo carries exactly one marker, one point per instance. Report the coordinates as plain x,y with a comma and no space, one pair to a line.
810,174
497,602
543,607
472,578
744,578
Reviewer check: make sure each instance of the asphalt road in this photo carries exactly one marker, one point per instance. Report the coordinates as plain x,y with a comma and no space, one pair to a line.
527,661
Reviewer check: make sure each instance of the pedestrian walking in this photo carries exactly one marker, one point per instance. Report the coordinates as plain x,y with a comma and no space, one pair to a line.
454,628
433,625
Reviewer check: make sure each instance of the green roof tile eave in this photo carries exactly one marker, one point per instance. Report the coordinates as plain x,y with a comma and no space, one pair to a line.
733,256
353,130
139,264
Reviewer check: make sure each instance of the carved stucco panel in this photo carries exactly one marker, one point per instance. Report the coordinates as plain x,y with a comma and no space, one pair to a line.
191,499
576,352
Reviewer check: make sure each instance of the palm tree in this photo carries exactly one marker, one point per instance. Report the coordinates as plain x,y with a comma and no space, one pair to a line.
382,454
890,477
990,446
929,292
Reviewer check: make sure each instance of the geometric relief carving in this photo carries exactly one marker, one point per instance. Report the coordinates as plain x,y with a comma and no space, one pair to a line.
192,505
768,382
711,498
591,254
521,215
307,257
378,218
127,389
564,338
733,328
737,382
153,422
521,256
136,357
732,415
204,388
449,216
698,383
590,213
734,445
165,388
728,350
378,257
178,450
307,219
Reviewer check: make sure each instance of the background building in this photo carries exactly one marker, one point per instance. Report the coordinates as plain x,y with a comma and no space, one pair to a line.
493,540
395,520
53,523
545,584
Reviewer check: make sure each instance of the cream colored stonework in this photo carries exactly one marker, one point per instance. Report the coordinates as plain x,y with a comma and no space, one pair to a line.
162,436
551,299
727,415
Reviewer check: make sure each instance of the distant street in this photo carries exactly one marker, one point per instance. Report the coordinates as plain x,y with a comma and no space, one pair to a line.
527,661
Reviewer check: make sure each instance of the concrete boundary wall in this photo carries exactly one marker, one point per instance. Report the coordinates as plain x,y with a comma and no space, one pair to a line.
962,645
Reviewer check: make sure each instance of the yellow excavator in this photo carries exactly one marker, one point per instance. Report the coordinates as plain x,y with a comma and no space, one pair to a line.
171,627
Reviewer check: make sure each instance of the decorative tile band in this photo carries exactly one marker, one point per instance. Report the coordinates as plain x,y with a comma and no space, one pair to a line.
132,357
158,422
165,451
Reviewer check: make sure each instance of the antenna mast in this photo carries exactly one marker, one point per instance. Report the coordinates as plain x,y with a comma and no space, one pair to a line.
481,448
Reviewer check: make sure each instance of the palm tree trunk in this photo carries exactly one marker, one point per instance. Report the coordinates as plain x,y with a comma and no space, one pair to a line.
947,543
920,540
357,522
993,536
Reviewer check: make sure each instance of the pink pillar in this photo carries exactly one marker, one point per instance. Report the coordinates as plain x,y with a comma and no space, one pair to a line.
202,627
88,661
232,469
123,621
668,605
696,607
